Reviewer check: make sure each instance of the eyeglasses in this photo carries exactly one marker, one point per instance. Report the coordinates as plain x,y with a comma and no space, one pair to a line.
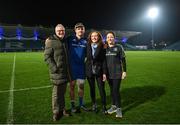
60,30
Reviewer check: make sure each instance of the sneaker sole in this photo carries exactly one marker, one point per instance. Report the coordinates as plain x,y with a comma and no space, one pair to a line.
118,116
73,111
111,112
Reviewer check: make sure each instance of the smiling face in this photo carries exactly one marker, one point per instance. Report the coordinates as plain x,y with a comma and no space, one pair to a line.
60,31
110,38
80,31
94,37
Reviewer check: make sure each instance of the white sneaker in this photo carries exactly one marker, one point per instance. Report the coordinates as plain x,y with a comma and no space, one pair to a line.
118,113
112,109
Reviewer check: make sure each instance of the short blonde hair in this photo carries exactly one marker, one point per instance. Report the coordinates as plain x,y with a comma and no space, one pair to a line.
59,25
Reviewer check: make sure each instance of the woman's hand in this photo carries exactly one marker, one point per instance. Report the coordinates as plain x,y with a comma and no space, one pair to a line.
123,75
104,77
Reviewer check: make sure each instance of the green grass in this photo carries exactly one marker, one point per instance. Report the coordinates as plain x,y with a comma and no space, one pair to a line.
150,94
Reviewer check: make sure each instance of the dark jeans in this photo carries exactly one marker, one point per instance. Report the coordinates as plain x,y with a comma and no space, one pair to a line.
101,86
114,85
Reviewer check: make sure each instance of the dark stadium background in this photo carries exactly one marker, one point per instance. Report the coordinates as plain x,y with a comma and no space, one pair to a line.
99,14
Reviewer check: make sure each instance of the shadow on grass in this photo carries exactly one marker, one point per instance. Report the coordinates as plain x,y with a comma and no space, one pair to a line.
135,96
132,97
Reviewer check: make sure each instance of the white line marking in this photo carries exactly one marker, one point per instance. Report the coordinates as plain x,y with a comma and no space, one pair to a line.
11,95
24,89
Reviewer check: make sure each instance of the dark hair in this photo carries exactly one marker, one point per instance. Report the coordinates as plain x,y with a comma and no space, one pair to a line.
111,32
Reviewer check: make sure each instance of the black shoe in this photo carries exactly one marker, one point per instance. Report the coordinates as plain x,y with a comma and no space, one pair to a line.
84,108
65,113
78,110
94,108
104,110
73,110
57,116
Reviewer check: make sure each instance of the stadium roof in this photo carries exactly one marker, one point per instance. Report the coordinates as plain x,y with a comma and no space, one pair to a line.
25,32
126,34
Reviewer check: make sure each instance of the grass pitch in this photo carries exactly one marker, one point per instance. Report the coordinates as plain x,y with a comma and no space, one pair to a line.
150,93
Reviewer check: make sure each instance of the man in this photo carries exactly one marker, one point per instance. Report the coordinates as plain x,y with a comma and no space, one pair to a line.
55,55
77,52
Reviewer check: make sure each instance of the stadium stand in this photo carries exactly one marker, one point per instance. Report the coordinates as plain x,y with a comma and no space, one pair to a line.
173,47
23,38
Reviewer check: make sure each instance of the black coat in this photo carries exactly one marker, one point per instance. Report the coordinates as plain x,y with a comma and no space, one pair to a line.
98,60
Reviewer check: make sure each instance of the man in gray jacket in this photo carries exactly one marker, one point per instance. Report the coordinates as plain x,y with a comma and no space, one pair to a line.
55,55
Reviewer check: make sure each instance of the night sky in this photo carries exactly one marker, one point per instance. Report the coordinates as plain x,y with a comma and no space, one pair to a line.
126,15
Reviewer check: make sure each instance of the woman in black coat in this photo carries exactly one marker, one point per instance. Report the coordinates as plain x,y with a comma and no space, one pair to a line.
95,68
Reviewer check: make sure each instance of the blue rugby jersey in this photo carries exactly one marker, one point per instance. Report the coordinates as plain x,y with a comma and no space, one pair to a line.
77,53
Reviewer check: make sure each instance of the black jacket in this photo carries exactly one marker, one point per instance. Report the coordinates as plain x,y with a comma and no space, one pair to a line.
98,61
115,60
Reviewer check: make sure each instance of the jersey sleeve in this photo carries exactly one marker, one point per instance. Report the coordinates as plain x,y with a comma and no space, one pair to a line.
122,52
123,58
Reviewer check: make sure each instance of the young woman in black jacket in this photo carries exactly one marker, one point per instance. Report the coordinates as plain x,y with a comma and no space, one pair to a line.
116,71
95,68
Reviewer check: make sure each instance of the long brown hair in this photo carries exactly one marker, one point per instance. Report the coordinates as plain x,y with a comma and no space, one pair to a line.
100,38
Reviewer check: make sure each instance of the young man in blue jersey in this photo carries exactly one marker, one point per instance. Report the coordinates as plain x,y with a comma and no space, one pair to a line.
77,51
